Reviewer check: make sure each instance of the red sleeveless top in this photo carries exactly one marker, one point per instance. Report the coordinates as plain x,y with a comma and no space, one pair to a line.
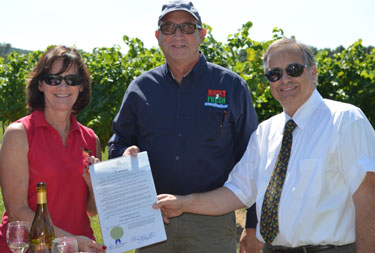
61,167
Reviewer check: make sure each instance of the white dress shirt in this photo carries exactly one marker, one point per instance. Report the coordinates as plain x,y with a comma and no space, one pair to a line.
333,148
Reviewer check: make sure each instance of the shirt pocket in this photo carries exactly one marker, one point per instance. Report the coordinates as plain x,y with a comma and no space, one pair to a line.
214,123
304,186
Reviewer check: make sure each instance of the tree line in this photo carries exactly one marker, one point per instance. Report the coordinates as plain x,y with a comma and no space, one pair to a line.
6,48
345,74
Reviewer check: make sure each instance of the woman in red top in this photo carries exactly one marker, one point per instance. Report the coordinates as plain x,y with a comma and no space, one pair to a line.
49,145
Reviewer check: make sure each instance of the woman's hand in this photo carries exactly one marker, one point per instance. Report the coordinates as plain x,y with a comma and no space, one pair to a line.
90,161
91,206
88,245
86,172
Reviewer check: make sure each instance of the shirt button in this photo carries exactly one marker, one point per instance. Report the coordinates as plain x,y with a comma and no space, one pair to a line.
177,157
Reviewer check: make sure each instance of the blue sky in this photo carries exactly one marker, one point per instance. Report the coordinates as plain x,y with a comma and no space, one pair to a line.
35,24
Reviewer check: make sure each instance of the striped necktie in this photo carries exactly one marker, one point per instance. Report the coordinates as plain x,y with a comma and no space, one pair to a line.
269,224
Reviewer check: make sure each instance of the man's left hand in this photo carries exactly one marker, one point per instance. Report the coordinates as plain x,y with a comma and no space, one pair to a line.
248,241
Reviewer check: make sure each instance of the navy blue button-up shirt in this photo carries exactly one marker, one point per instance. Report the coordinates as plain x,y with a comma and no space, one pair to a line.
194,132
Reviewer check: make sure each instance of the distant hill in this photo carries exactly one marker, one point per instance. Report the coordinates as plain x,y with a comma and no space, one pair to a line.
6,48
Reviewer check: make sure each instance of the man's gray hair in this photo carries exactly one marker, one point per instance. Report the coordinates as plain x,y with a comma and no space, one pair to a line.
305,50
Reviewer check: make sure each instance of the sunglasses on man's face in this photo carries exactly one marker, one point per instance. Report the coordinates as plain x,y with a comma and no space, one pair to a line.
71,80
293,70
185,28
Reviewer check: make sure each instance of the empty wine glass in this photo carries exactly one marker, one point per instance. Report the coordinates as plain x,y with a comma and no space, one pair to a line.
64,245
18,236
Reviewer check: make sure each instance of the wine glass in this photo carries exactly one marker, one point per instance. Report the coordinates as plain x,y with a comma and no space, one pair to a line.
64,245
18,236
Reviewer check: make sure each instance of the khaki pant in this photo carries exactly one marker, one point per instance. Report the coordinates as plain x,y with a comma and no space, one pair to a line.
191,233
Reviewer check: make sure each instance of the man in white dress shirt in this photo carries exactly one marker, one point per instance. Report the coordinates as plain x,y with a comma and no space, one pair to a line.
327,201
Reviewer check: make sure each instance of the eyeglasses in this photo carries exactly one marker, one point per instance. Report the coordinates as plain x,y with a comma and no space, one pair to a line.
185,28
293,70
71,80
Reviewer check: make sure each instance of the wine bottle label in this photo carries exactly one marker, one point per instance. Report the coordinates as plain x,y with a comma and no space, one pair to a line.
41,197
40,248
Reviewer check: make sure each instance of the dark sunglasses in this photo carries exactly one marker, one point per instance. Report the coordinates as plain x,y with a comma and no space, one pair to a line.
294,70
71,80
185,28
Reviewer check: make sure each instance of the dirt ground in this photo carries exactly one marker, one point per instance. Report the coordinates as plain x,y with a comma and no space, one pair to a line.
241,217
240,220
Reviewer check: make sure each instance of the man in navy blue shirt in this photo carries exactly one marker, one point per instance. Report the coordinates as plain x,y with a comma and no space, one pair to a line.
194,119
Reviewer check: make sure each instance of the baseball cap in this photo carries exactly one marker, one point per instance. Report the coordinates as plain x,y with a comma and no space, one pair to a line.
180,6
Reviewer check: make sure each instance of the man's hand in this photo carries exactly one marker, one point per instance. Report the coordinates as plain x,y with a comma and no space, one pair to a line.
132,151
216,202
170,205
248,241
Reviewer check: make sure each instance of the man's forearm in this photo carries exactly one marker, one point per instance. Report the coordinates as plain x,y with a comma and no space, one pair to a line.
216,202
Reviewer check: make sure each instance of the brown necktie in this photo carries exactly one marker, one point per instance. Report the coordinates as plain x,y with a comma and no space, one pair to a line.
269,224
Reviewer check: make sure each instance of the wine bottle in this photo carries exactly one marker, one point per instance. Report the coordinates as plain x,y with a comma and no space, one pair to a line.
41,232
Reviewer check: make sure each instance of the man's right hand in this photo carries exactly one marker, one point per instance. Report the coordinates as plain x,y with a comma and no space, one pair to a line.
132,151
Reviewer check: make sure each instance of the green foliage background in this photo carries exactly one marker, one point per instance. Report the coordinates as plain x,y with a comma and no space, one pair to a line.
346,74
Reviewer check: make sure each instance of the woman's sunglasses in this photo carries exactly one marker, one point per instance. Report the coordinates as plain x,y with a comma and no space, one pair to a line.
71,80
294,70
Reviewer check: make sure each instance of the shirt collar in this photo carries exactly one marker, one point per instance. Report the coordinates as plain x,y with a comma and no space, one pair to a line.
196,70
303,114
40,120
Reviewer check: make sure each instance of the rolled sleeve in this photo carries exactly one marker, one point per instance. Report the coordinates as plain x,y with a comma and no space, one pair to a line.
357,151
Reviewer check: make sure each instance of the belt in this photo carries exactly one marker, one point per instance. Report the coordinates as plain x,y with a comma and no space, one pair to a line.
301,249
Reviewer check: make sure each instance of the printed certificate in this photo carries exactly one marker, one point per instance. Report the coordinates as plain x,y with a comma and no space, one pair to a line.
124,193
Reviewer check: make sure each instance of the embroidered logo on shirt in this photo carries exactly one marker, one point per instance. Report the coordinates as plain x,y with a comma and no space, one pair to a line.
216,98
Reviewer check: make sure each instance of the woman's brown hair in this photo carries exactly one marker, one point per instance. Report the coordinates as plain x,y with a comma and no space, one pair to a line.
71,58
